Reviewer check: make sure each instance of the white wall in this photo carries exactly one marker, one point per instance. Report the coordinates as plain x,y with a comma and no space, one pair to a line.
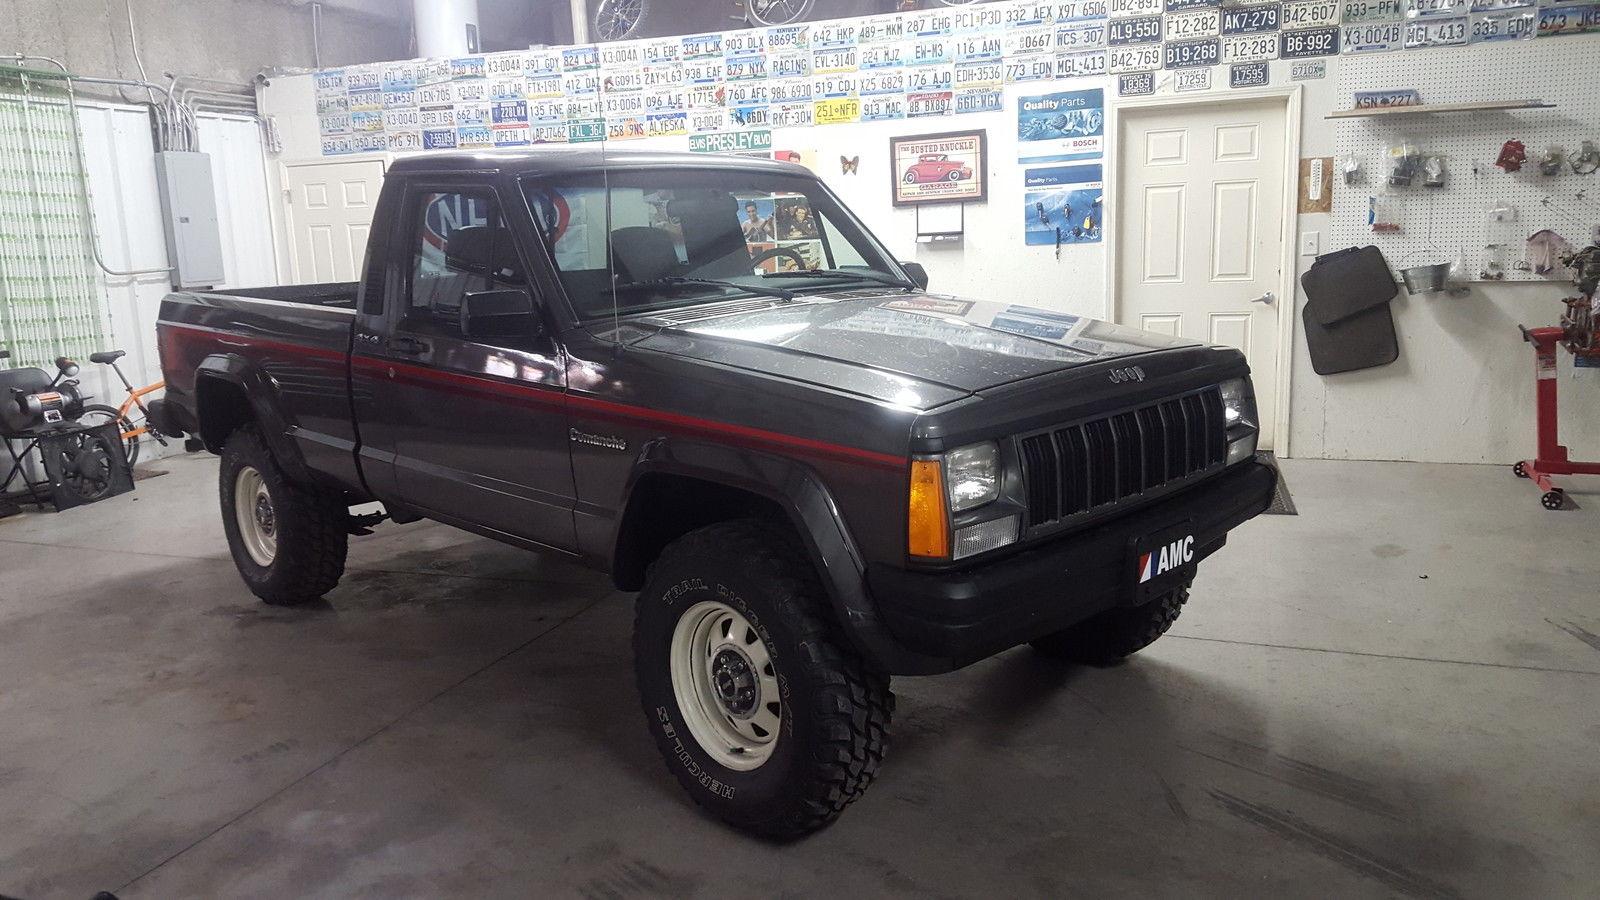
1463,386
120,158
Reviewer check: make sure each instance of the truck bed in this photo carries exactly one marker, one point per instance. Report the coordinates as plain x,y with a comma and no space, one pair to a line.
295,338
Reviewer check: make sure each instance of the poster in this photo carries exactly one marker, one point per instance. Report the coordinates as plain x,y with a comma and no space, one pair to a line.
1061,127
939,168
1063,205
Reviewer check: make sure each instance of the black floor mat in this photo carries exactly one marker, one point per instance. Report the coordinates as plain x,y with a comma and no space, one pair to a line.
1282,502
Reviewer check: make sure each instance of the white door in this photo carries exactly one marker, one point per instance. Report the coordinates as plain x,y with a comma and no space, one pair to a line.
330,213
1199,250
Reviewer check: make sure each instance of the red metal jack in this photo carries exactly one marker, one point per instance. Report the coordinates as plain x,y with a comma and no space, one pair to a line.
1552,456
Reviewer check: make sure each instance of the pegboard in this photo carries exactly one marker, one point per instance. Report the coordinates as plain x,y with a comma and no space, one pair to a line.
1449,224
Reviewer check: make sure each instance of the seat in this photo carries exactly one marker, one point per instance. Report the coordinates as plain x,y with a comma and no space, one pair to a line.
107,356
644,253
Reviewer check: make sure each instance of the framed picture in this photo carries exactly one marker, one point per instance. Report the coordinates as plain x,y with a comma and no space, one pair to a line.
939,168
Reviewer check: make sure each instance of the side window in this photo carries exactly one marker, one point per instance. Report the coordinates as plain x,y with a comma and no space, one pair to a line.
460,245
842,253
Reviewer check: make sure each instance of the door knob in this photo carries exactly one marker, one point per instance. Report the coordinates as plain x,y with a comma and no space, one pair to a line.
1267,298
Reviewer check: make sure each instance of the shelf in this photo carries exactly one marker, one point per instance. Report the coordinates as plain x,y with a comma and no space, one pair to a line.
1433,109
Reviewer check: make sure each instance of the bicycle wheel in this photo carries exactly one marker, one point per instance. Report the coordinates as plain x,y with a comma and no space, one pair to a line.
100,414
616,20
777,12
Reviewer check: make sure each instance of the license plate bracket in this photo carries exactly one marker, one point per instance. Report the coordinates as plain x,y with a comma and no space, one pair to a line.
1162,560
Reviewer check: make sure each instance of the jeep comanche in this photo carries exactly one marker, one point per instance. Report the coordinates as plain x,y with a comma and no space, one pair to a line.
814,473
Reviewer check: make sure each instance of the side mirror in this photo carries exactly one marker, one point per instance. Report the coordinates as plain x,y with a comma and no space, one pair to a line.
505,313
917,272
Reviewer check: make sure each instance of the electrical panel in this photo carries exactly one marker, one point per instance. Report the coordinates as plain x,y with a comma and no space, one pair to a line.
189,213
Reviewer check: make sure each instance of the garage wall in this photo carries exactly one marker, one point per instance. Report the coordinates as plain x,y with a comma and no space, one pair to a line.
1460,392
127,212
230,40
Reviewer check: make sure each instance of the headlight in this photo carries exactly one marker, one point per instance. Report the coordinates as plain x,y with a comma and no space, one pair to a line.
1239,413
972,475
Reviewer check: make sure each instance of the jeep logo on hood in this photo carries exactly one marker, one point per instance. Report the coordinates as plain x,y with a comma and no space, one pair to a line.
1126,374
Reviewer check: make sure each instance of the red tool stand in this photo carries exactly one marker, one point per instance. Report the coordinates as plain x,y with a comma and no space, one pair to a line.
1552,458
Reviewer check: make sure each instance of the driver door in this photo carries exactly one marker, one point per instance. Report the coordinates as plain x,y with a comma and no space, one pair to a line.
480,428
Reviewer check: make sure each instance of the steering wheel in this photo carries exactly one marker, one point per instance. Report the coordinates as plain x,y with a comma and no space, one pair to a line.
792,253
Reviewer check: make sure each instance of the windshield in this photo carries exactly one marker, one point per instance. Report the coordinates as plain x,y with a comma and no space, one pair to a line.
679,236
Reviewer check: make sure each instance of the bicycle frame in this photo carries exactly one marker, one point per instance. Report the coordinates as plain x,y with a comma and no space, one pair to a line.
134,395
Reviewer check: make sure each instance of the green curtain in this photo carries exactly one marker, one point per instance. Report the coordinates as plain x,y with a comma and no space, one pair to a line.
52,302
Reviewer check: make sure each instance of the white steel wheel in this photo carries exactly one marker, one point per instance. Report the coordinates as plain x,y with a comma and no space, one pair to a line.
726,685
258,522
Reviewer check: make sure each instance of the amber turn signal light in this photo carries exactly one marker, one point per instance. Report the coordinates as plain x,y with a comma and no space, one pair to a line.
928,525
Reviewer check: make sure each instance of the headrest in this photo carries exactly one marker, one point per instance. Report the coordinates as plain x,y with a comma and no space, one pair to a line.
643,253
483,250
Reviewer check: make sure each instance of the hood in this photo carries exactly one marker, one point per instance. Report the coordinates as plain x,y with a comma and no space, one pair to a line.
917,350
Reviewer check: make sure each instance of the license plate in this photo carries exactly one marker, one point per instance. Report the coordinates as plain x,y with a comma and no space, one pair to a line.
1134,31
1373,37
1357,11
1249,48
1145,58
1503,26
1076,38
1310,42
1184,54
1081,65
1251,19
1194,24
1163,560
1311,14
1120,8
1435,9
1436,32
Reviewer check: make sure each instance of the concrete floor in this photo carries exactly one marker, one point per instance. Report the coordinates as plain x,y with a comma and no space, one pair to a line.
1392,694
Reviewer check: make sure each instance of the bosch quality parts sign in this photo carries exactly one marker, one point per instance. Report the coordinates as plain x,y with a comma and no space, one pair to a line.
1061,127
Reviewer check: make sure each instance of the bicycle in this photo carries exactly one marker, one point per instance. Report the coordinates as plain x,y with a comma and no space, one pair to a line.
131,430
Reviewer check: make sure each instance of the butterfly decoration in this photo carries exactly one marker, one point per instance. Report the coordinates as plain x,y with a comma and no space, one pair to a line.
850,165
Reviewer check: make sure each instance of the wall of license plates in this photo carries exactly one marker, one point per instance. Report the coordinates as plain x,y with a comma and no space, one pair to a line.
1482,216
932,63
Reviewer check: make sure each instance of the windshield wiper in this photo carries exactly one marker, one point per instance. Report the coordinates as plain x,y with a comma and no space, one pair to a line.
865,274
672,281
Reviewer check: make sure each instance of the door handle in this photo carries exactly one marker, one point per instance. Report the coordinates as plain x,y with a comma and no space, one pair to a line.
407,345
1268,298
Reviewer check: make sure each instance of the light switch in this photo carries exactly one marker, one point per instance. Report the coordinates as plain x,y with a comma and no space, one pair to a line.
1310,243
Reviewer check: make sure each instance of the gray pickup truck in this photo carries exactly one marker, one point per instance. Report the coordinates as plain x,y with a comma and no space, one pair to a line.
705,377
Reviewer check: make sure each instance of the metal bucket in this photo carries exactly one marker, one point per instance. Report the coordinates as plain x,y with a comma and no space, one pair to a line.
1426,279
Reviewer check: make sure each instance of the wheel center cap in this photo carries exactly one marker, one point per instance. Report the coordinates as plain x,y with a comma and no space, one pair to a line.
735,682
264,515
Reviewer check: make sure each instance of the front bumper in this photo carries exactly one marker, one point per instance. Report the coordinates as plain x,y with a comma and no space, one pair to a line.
952,619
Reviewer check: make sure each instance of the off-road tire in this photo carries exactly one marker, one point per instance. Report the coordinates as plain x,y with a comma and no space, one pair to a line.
835,711
1115,634
312,527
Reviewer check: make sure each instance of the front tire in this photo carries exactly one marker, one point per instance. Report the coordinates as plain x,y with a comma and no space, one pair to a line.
288,541
762,712
1115,634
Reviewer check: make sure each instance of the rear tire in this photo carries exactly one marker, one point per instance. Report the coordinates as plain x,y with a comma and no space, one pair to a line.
288,540
796,728
1115,634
